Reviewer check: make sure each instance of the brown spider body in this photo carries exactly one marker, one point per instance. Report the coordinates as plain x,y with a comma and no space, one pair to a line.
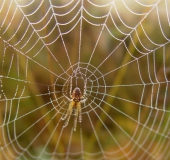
76,95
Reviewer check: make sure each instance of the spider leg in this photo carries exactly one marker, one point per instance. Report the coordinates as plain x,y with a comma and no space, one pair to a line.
68,114
79,112
83,99
76,116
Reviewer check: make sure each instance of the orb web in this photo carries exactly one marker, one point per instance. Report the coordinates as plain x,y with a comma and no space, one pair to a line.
116,52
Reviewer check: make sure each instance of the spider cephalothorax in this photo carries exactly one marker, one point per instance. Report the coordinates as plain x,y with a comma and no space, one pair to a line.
76,95
75,102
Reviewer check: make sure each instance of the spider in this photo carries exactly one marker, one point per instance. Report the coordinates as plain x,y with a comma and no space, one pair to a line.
75,102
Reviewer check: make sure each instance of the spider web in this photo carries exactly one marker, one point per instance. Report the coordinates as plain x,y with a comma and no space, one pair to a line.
117,50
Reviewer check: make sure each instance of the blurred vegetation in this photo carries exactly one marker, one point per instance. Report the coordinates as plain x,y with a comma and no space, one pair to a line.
35,72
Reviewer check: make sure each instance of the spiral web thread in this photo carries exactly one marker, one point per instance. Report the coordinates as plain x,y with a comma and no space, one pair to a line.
116,52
